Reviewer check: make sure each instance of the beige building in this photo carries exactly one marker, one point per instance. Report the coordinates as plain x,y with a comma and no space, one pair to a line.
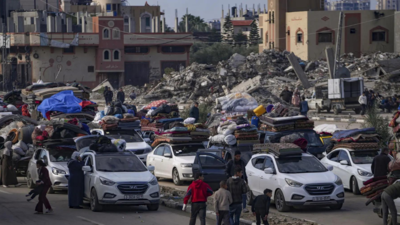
310,32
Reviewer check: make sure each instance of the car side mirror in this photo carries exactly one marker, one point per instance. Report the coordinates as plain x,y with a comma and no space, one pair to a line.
268,171
86,169
344,163
151,168
329,167
168,155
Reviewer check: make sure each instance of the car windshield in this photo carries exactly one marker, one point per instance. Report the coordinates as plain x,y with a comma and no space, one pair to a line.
305,164
312,138
61,153
127,137
363,157
119,164
186,150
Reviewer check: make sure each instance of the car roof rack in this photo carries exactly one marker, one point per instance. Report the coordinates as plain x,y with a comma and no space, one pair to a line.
278,149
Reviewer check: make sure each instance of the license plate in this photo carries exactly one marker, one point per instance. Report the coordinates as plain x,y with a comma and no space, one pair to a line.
133,197
321,198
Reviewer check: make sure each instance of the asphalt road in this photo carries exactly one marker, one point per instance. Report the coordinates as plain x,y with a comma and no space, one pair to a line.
15,210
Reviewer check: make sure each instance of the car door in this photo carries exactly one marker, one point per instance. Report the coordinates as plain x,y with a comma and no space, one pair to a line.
255,174
32,165
88,176
344,170
155,160
212,167
269,180
167,161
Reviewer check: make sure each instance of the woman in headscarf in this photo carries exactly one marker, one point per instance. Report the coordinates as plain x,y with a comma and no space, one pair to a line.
46,182
8,175
296,97
75,181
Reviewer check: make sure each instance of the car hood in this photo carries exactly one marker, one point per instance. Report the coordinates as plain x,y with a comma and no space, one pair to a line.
184,159
365,167
137,145
59,165
145,176
312,178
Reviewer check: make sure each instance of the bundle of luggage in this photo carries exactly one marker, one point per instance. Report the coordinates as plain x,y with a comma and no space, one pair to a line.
198,131
279,124
366,138
279,149
373,188
173,135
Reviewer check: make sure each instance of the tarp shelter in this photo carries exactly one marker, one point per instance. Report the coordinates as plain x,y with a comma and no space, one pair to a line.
64,102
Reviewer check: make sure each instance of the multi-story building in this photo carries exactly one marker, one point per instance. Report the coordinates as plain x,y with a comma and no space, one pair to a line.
388,4
89,43
348,5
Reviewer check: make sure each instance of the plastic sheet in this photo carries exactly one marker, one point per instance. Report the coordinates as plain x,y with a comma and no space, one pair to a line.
65,102
238,102
326,128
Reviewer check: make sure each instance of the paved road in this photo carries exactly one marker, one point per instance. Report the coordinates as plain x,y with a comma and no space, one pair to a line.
15,210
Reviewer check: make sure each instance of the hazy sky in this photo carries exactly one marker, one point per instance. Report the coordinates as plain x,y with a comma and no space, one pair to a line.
206,9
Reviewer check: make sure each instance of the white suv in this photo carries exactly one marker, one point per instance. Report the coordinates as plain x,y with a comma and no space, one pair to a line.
119,178
295,181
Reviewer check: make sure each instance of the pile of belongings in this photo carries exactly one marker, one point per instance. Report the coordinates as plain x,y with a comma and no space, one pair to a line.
366,135
279,149
373,188
328,129
13,98
156,104
174,135
105,144
159,118
116,109
237,102
128,121
279,124
198,132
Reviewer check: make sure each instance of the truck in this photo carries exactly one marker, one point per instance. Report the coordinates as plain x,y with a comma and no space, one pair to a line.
319,100
344,94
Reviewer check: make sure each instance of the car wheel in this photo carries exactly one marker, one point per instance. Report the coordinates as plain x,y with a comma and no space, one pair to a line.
51,191
29,181
354,186
153,207
336,111
280,202
94,202
175,177
336,207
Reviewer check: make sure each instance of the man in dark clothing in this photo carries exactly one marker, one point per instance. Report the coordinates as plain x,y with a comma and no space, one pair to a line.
388,196
132,95
198,191
260,207
194,112
105,94
231,167
379,166
286,95
121,96
237,187
304,107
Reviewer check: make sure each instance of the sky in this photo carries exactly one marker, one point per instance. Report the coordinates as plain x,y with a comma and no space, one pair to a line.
206,9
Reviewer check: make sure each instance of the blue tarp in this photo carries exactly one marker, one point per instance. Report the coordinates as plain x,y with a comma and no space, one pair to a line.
64,101
170,120
353,132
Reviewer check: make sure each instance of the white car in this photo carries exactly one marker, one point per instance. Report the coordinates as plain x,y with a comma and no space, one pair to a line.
134,141
353,167
119,178
174,161
299,180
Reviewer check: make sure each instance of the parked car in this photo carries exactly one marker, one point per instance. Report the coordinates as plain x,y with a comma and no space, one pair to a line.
211,165
352,166
119,178
134,141
245,152
55,156
295,181
148,137
174,161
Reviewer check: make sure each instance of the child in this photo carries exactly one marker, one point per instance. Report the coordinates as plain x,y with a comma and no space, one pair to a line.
35,191
260,207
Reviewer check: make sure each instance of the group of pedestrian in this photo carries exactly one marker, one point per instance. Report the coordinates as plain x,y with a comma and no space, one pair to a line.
293,97
369,99
108,95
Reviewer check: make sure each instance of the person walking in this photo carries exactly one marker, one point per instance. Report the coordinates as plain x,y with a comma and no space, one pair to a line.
46,182
304,107
222,200
388,196
105,94
296,98
363,102
8,174
75,181
286,95
121,96
380,163
198,191
194,112
260,207
108,95
237,187
231,168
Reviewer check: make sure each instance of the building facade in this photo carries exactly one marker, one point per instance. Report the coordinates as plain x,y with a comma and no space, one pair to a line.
348,5
388,4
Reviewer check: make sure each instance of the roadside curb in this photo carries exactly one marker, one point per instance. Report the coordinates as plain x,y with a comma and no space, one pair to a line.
334,119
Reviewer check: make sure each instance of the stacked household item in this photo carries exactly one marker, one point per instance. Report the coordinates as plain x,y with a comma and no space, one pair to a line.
129,121
245,133
279,124
159,118
365,138
198,132
237,102
373,188
109,123
278,149
13,98
174,135
225,134
116,109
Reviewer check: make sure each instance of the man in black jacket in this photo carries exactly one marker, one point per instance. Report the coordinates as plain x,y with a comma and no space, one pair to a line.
232,166
121,96
379,166
286,95
260,207
194,112
237,187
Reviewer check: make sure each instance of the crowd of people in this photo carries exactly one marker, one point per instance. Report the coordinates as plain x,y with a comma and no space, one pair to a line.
369,99
293,98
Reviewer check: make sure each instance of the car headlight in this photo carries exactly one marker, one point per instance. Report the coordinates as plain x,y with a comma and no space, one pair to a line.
293,183
186,165
57,171
106,181
338,181
153,181
364,173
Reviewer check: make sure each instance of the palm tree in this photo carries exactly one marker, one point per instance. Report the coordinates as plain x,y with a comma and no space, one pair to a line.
195,24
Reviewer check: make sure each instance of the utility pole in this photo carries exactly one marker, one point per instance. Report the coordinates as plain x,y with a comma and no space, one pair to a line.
338,45
4,44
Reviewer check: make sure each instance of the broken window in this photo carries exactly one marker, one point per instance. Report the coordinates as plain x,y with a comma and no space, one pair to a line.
136,49
325,37
299,37
173,49
379,36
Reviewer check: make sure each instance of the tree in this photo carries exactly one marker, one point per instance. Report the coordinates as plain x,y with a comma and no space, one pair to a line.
240,39
228,30
168,29
215,36
195,24
254,35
